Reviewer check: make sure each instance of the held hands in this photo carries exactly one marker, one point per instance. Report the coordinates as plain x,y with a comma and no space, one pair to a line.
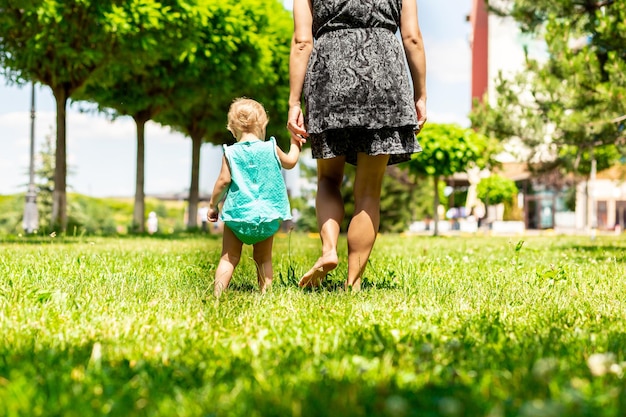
295,124
298,141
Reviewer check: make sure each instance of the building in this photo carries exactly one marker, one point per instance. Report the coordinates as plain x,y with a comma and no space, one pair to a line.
606,204
497,47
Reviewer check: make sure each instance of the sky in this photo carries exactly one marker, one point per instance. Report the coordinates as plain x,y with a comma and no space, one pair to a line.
101,154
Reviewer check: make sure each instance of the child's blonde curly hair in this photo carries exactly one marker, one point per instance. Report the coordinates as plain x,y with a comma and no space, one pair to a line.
247,116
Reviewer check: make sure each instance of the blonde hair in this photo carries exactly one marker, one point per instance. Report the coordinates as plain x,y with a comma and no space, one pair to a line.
247,116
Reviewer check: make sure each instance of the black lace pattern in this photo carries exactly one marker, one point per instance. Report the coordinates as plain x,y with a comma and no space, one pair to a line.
357,75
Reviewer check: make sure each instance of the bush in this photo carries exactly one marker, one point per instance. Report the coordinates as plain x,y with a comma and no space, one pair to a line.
11,213
496,190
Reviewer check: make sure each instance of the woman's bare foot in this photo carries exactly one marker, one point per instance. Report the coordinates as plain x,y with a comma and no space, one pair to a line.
265,286
218,289
325,264
355,287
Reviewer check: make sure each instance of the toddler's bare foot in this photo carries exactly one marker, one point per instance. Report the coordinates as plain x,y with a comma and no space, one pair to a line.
325,264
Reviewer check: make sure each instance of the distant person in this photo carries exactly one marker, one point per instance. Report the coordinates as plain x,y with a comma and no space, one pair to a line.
361,108
153,223
254,192
203,214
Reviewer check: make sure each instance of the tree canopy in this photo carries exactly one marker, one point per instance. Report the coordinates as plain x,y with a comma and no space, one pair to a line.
243,50
449,149
141,88
569,107
61,45
496,189
177,62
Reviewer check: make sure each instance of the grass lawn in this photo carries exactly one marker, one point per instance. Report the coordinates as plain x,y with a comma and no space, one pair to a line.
478,326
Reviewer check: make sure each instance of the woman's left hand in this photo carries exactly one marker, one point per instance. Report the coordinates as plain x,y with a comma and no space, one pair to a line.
420,108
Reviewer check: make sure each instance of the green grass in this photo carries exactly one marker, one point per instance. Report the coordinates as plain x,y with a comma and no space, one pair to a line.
480,326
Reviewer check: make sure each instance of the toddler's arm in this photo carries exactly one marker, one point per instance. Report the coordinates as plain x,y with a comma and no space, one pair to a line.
289,160
219,191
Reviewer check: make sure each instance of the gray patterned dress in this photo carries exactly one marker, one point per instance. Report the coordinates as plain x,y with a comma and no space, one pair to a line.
357,92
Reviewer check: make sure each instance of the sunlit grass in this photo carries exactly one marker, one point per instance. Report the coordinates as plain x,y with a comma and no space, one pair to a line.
481,326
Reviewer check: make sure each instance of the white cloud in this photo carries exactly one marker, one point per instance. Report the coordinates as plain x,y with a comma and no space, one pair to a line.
442,117
448,60
101,154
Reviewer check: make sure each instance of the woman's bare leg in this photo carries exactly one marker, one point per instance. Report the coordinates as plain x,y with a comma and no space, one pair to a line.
330,211
363,227
231,253
262,254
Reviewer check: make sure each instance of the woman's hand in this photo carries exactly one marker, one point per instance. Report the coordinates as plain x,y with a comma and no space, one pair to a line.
295,124
420,108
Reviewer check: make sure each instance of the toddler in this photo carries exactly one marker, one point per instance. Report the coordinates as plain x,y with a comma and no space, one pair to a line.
254,192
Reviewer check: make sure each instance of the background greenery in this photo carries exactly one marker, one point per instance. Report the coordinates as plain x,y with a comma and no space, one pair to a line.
484,326
91,215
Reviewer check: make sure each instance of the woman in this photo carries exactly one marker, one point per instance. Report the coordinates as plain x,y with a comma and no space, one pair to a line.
360,108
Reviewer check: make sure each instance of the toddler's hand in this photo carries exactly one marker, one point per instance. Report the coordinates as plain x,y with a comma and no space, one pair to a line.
298,141
212,215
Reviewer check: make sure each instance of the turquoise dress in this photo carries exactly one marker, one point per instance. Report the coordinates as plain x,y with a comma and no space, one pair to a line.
257,200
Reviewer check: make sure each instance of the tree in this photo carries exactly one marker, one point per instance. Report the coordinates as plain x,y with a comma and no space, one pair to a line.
403,200
44,172
449,149
243,51
496,189
142,89
570,108
61,45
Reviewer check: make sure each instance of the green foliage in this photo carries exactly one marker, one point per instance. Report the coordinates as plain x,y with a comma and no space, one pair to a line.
444,327
62,45
241,49
576,97
59,44
403,200
44,178
496,189
11,213
307,222
91,216
449,149
140,88
141,58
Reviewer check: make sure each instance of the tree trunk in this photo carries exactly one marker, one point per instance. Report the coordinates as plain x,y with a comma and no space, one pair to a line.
196,145
436,212
59,195
139,211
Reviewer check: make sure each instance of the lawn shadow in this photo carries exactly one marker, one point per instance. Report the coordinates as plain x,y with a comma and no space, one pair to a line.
599,252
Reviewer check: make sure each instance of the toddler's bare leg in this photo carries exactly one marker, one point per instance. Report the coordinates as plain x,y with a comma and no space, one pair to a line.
231,253
262,254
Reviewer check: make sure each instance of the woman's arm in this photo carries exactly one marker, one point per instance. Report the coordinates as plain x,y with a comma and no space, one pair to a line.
219,190
416,57
301,47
